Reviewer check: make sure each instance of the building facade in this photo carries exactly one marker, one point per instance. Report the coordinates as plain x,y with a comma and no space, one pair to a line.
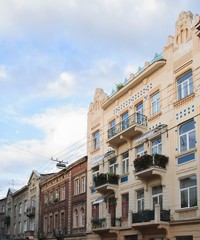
63,203
2,217
144,149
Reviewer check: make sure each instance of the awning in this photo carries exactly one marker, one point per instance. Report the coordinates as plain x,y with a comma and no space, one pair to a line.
160,128
101,198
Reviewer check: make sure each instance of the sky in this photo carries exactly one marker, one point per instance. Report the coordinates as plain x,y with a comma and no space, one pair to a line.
53,55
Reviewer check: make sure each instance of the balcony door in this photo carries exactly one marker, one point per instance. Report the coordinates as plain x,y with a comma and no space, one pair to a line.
112,210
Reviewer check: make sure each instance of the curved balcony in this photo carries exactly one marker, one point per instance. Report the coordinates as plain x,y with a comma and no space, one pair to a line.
30,212
148,165
106,183
127,129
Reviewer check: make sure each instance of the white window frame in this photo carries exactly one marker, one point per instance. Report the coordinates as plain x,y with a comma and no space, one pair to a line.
156,147
82,217
187,135
96,140
62,193
112,166
77,186
155,103
187,189
158,196
125,163
124,120
140,200
185,85
140,150
95,173
76,217
83,184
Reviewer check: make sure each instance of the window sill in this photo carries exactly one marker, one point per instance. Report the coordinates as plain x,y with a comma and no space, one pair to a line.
124,175
186,152
154,116
94,150
186,209
184,100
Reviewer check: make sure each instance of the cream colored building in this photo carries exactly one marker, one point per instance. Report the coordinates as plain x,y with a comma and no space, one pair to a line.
143,147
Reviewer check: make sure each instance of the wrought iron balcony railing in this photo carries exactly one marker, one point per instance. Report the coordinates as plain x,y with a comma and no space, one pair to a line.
30,211
147,161
149,215
133,119
59,233
103,222
103,178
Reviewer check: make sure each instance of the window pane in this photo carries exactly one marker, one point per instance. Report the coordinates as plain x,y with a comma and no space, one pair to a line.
193,197
183,143
192,139
188,182
156,190
187,127
184,199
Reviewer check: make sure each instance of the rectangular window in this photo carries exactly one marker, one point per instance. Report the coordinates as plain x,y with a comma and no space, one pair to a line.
96,139
140,150
25,225
19,227
51,196
185,85
157,196
83,187
112,166
157,146
77,187
62,220
33,201
20,208
155,103
25,205
45,224
15,210
62,197
188,192
125,162
139,113
187,136
95,173
50,223
112,128
56,221
124,120
95,211
140,200
125,203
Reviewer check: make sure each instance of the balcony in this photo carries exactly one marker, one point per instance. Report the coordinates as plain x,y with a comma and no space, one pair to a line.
29,234
30,212
148,165
127,129
106,183
59,233
150,218
7,220
106,226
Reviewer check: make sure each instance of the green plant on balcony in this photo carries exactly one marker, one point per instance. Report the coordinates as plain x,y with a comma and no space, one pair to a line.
119,86
100,179
55,200
113,178
160,160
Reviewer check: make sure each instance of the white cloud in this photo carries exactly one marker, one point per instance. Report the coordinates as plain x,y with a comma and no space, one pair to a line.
3,72
62,87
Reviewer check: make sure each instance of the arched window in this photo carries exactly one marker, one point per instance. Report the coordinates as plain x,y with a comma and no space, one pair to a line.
82,216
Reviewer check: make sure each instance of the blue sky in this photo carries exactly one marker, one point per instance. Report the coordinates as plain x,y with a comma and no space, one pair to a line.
53,55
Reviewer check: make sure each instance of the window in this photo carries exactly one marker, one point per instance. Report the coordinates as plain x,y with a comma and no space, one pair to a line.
3,208
125,202
139,111
124,122
15,229
157,146
82,217
184,238
19,227
62,193
140,150
112,166
45,224
95,173
112,129
62,220
140,200
96,139
51,196
83,184
50,223
187,136
20,208
95,211
155,103
15,210
157,196
33,201
32,224
76,187
57,194
125,162
188,192
25,225
25,205
185,85
75,217
56,221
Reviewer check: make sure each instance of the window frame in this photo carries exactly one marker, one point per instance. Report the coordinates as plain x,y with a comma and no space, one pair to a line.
139,152
155,104
113,166
140,200
96,139
188,193
185,85
125,205
83,184
158,196
125,163
157,146
76,186
124,120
